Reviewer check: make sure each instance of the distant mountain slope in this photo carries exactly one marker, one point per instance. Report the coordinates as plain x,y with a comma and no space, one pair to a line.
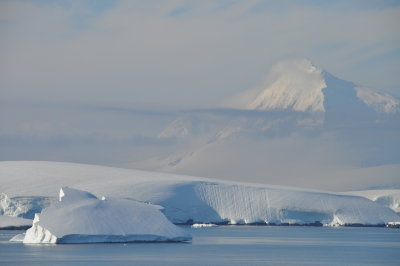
297,90
302,118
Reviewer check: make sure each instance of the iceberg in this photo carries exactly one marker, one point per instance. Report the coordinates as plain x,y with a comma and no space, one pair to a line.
203,225
80,217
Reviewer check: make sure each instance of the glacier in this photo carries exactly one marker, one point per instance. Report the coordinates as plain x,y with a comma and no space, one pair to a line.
80,217
386,197
189,200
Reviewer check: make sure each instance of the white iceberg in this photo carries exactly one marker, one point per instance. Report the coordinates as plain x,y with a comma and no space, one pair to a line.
203,225
18,238
80,217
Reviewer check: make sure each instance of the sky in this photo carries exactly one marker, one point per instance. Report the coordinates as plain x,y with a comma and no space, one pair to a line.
185,54
97,81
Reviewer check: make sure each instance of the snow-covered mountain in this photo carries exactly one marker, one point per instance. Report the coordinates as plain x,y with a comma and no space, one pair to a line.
296,93
302,122
298,85
187,199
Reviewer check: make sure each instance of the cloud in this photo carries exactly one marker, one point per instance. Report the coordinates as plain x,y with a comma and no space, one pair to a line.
80,133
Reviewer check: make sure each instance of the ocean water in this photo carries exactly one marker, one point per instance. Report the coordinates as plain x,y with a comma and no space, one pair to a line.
224,245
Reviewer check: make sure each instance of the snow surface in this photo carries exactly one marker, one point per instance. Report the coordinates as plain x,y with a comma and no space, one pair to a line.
387,197
80,217
195,200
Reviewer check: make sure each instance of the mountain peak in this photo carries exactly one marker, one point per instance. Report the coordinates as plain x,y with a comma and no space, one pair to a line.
298,85
293,84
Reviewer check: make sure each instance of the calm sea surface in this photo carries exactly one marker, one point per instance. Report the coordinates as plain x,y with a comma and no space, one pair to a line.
224,245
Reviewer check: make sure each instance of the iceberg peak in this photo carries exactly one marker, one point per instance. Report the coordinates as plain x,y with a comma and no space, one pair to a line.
61,195
67,193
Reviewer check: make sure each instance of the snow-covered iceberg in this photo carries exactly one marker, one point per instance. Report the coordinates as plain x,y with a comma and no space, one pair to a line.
203,225
191,200
80,217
